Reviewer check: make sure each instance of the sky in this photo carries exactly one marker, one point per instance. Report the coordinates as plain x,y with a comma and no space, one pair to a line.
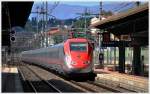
81,3
62,13
91,3
88,2
56,10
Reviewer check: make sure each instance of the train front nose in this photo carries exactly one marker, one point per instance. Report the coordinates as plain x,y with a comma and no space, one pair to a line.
80,61
79,66
79,57
77,62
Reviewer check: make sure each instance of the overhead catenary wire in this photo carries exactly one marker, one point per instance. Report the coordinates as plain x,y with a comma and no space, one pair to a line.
118,6
123,7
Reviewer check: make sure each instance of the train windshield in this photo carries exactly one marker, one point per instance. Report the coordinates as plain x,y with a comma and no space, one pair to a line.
78,46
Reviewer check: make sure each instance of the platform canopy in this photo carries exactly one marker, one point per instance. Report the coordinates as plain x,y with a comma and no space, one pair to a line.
131,21
14,14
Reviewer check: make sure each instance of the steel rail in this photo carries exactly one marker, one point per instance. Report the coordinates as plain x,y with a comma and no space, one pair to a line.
48,83
30,83
82,86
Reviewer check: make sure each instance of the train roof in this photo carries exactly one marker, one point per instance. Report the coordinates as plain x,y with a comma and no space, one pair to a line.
77,40
56,45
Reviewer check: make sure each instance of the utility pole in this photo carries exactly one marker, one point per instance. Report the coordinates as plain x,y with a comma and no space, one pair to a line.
37,25
44,13
100,16
85,15
37,17
101,50
46,22
42,37
85,21
137,3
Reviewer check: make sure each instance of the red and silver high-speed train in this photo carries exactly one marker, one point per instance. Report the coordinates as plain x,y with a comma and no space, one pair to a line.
72,57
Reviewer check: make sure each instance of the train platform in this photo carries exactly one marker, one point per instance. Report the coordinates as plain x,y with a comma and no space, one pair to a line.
130,82
10,80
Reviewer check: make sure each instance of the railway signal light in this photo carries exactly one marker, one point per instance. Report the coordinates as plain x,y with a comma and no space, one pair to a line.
12,35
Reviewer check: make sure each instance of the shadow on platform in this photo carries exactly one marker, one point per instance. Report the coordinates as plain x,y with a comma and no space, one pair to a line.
10,82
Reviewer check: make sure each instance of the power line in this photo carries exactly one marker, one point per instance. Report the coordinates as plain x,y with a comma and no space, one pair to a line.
45,13
122,7
118,6
53,7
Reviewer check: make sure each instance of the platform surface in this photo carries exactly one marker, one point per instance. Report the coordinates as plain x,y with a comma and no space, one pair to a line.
135,83
10,80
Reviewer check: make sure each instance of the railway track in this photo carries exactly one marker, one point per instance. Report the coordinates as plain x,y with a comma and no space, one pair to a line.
27,81
40,85
87,86
83,85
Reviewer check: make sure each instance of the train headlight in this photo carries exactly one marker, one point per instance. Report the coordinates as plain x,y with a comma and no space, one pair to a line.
87,62
73,63
68,58
68,61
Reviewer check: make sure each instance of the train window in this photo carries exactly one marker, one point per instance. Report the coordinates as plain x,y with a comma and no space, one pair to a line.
82,46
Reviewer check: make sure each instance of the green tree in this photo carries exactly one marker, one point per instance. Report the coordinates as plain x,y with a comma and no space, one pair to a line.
28,26
81,24
107,13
